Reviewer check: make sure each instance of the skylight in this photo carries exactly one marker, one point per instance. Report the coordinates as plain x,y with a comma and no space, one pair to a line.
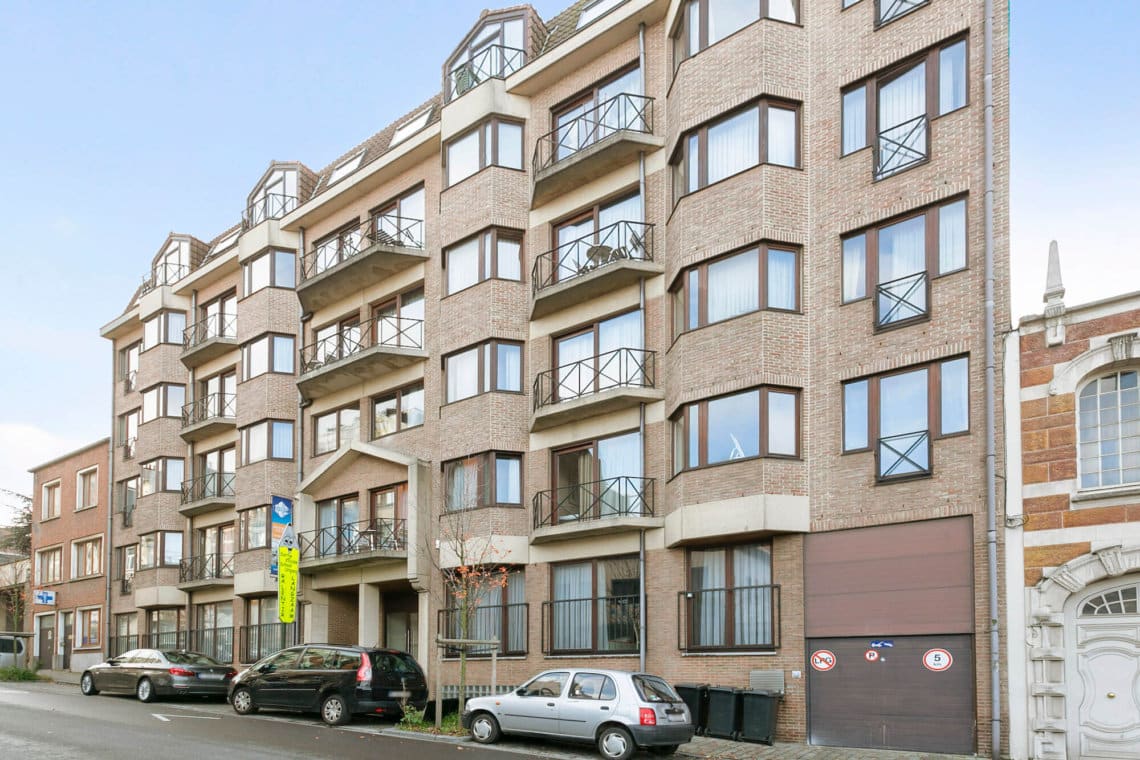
410,127
226,242
596,11
346,168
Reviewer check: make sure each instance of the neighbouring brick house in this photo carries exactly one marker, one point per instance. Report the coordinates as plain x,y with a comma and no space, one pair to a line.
1073,527
68,557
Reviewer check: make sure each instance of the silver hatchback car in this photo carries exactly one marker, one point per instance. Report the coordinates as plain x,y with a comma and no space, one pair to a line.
617,711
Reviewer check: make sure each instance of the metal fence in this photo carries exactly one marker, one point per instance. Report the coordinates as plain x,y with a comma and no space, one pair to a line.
624,111
742,617
354,538
596,500
389,331
602,625
620,368
492,62
614,243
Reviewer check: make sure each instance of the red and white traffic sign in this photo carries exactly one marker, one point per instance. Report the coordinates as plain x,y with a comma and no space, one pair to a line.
823,660
937,660
871,655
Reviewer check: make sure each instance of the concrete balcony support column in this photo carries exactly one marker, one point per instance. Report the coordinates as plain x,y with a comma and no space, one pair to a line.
368,615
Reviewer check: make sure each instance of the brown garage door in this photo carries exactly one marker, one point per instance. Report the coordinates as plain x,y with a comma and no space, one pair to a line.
891,699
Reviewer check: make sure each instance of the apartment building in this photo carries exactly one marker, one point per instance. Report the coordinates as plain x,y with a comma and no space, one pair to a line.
1073,545
68,604
655,338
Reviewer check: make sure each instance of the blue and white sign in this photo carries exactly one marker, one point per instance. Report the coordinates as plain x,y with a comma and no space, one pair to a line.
44,596
281,517
882,644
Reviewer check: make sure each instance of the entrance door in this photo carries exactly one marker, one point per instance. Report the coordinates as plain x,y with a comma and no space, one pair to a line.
68,638
1104,716
46,626
401,631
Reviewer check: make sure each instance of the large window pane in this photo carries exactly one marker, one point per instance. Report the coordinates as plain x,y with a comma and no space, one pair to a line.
733,285
285,272
283,440
955,396
509,260
854,120
508,367
463,157
463,375
510,145
508,480
733,145
855,415
952,237
854,268
903,403
325,433
782,285
283,354
781,423
734,427
952,77
781,136
412,407
728,16
782,10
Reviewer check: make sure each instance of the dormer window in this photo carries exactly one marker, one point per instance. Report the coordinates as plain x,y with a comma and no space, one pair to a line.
596,10
345,168
410,127
493,51
172,265
274,198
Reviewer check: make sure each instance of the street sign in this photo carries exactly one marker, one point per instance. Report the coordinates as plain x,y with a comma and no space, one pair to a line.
882,644
937,660
288,573
823,660
44,596
871,655
281,517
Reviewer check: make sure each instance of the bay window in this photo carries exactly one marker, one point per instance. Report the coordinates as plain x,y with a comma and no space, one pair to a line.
164,400
271,439
762,422
706,22
496,142
491,254
492,479
273,269
252,528
730,602
269,353
161,549
164,327
492,366
400,410
164,474
765,277
595,606
335,429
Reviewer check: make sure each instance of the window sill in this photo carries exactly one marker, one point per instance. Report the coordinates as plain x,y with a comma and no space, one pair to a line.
580,655
87,577
733,653
1091,497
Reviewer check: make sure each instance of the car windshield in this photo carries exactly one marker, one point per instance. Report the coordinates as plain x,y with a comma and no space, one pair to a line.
395,662
190,658
654,689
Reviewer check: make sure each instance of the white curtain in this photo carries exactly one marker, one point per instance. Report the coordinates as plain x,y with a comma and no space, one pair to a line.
781,423
782,286
782,10
727,16
952,237
508,359
854,120
574,377
952,77
622,368
955,394
463,375
752,606
516,614
326,516
903,98
854,268
734,286
573,607
734,145
902,253
706,581
626,113
781,136
620,457
463,158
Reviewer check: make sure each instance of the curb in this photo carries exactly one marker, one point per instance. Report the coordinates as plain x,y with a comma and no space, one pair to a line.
425,737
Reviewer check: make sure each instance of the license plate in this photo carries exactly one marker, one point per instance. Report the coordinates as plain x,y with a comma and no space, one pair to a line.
399,694
210,676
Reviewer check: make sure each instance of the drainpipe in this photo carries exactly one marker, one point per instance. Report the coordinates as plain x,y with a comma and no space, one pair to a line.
641,54
300,440
108,550
991,479
641,622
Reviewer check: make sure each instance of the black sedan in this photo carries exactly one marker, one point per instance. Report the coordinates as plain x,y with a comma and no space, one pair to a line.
151,673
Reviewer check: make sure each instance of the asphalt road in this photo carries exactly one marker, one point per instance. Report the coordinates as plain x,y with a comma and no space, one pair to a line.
41,720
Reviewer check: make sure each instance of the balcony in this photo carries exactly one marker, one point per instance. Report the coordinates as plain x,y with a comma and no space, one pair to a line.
128,448
361,353
353,544
605,625
208,339
604,383
164,640
258,641
899,457
901,147
206,571
719,619
127,585
586,509
214,642
209,492
592,145
118,645
614,256
492,62
382,247
887,11
161,276
130,381
208,416
902,301
488,622
269,206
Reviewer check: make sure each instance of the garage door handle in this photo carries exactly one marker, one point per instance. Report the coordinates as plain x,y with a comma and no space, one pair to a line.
1112,695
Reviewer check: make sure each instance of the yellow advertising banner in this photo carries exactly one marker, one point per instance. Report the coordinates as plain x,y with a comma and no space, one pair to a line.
288,572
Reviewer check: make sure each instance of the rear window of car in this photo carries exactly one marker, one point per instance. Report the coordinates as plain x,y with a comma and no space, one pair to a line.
7,646
395,662
190,658
654,689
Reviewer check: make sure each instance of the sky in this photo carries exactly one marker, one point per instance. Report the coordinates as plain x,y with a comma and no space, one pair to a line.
124,121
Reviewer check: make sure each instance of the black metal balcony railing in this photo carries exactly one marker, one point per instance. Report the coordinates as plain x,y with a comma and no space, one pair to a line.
128,447
506,622
624,111
391,230
210,486
213,642
744,617
390,331
620,241
604,625
902,300
126,585
902,146
620,368
354,538
899,456
597,500
259,641
117,645
268,206
206,567
212,326
889,10
164,640
492,62
209,407
163,274
128,516
130,380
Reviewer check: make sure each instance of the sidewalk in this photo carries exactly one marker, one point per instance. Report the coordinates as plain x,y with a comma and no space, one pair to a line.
722,749
60,676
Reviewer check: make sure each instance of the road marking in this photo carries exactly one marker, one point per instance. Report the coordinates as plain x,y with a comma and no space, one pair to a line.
12,691
166,718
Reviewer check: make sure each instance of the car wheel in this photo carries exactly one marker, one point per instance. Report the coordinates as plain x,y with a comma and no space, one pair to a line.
243,703
615,743
665,751
484,728
334,710
87,685
145,690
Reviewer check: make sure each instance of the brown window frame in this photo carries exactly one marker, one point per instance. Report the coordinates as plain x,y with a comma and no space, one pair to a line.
163,403
162,474
680,29
247,272
486,480
243,524
400,512
396,301
682,419
339,426
398,397
243,434
593,598
482,369
487,243
339,501
589,94
341,235
879,23
127,374
270,338
729,612
164,328
160,549
392,206
481,128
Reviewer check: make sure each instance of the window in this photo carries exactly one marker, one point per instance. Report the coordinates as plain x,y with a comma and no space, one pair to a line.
252,532
763,422
49,565
610,231
164,327
333,249
126,562
596,10
735,143
399,321
766,277
492,254
272,439
129,366
595,606
273,269
889,10
87,557
217,397
492,366
483,480
171,550
215,475
161,475
495,50
163,400
148,551
216,319
345,168
608,354
596,480
339,523
901,258
87,488
214,552
269,353
1109,425
128,432
707,22
410,127
613,105
493,143
166,628
899,414
730,601
1119,601
335,429
398,411
89,627
891,110
495,612
49,504
128,498
400,222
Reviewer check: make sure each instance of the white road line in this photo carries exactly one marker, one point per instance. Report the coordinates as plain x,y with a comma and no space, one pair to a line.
166,718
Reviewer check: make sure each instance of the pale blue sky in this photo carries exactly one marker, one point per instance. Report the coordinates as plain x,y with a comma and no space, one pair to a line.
122,121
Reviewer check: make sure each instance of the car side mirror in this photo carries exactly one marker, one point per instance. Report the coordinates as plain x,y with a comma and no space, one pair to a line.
113,661
521,692
266,668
